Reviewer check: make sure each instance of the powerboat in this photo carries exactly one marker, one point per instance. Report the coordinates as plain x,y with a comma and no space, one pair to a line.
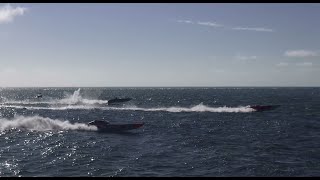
259,108
118,100
105,126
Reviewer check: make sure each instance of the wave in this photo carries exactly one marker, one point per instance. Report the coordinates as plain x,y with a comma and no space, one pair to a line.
74,99
197,108
85,107
38,123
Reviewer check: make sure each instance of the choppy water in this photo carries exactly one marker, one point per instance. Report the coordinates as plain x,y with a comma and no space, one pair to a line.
187,132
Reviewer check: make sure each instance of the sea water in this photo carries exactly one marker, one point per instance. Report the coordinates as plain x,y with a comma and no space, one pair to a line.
187,132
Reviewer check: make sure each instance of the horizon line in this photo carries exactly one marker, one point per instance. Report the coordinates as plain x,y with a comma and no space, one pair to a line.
161,86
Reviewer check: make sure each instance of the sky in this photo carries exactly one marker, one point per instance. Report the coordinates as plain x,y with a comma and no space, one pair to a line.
159,45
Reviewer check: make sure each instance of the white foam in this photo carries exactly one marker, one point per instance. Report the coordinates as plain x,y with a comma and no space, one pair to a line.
50,108
39,123
76,98
197,108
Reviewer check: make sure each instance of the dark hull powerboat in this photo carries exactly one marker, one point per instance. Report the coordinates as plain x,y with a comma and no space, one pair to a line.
260,108
107,127
118,100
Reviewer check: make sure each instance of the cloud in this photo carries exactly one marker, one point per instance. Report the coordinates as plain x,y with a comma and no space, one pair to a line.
304,64
245,58
8,13
300,53
239,28
7,70
185,21
219,71
253,29
282,64
212,24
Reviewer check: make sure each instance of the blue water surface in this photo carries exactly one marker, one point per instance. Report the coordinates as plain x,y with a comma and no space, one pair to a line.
187,132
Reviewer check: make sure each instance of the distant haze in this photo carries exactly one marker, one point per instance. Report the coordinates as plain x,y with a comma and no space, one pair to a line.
57,45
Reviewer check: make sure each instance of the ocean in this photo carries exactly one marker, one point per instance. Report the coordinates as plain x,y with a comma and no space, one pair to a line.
187,132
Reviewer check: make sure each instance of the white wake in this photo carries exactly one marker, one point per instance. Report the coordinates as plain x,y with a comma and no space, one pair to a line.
197,108
39,123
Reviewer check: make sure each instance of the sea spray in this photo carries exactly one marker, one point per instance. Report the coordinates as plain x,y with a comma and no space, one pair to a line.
174,109
76,98
197,108
73,99
39,123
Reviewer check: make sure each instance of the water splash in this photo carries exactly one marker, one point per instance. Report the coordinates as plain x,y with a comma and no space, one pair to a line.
76,98
198,108
39,123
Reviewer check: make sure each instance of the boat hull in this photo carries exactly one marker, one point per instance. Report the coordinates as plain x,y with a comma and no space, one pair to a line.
260,108
105,126
119,127
117,100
